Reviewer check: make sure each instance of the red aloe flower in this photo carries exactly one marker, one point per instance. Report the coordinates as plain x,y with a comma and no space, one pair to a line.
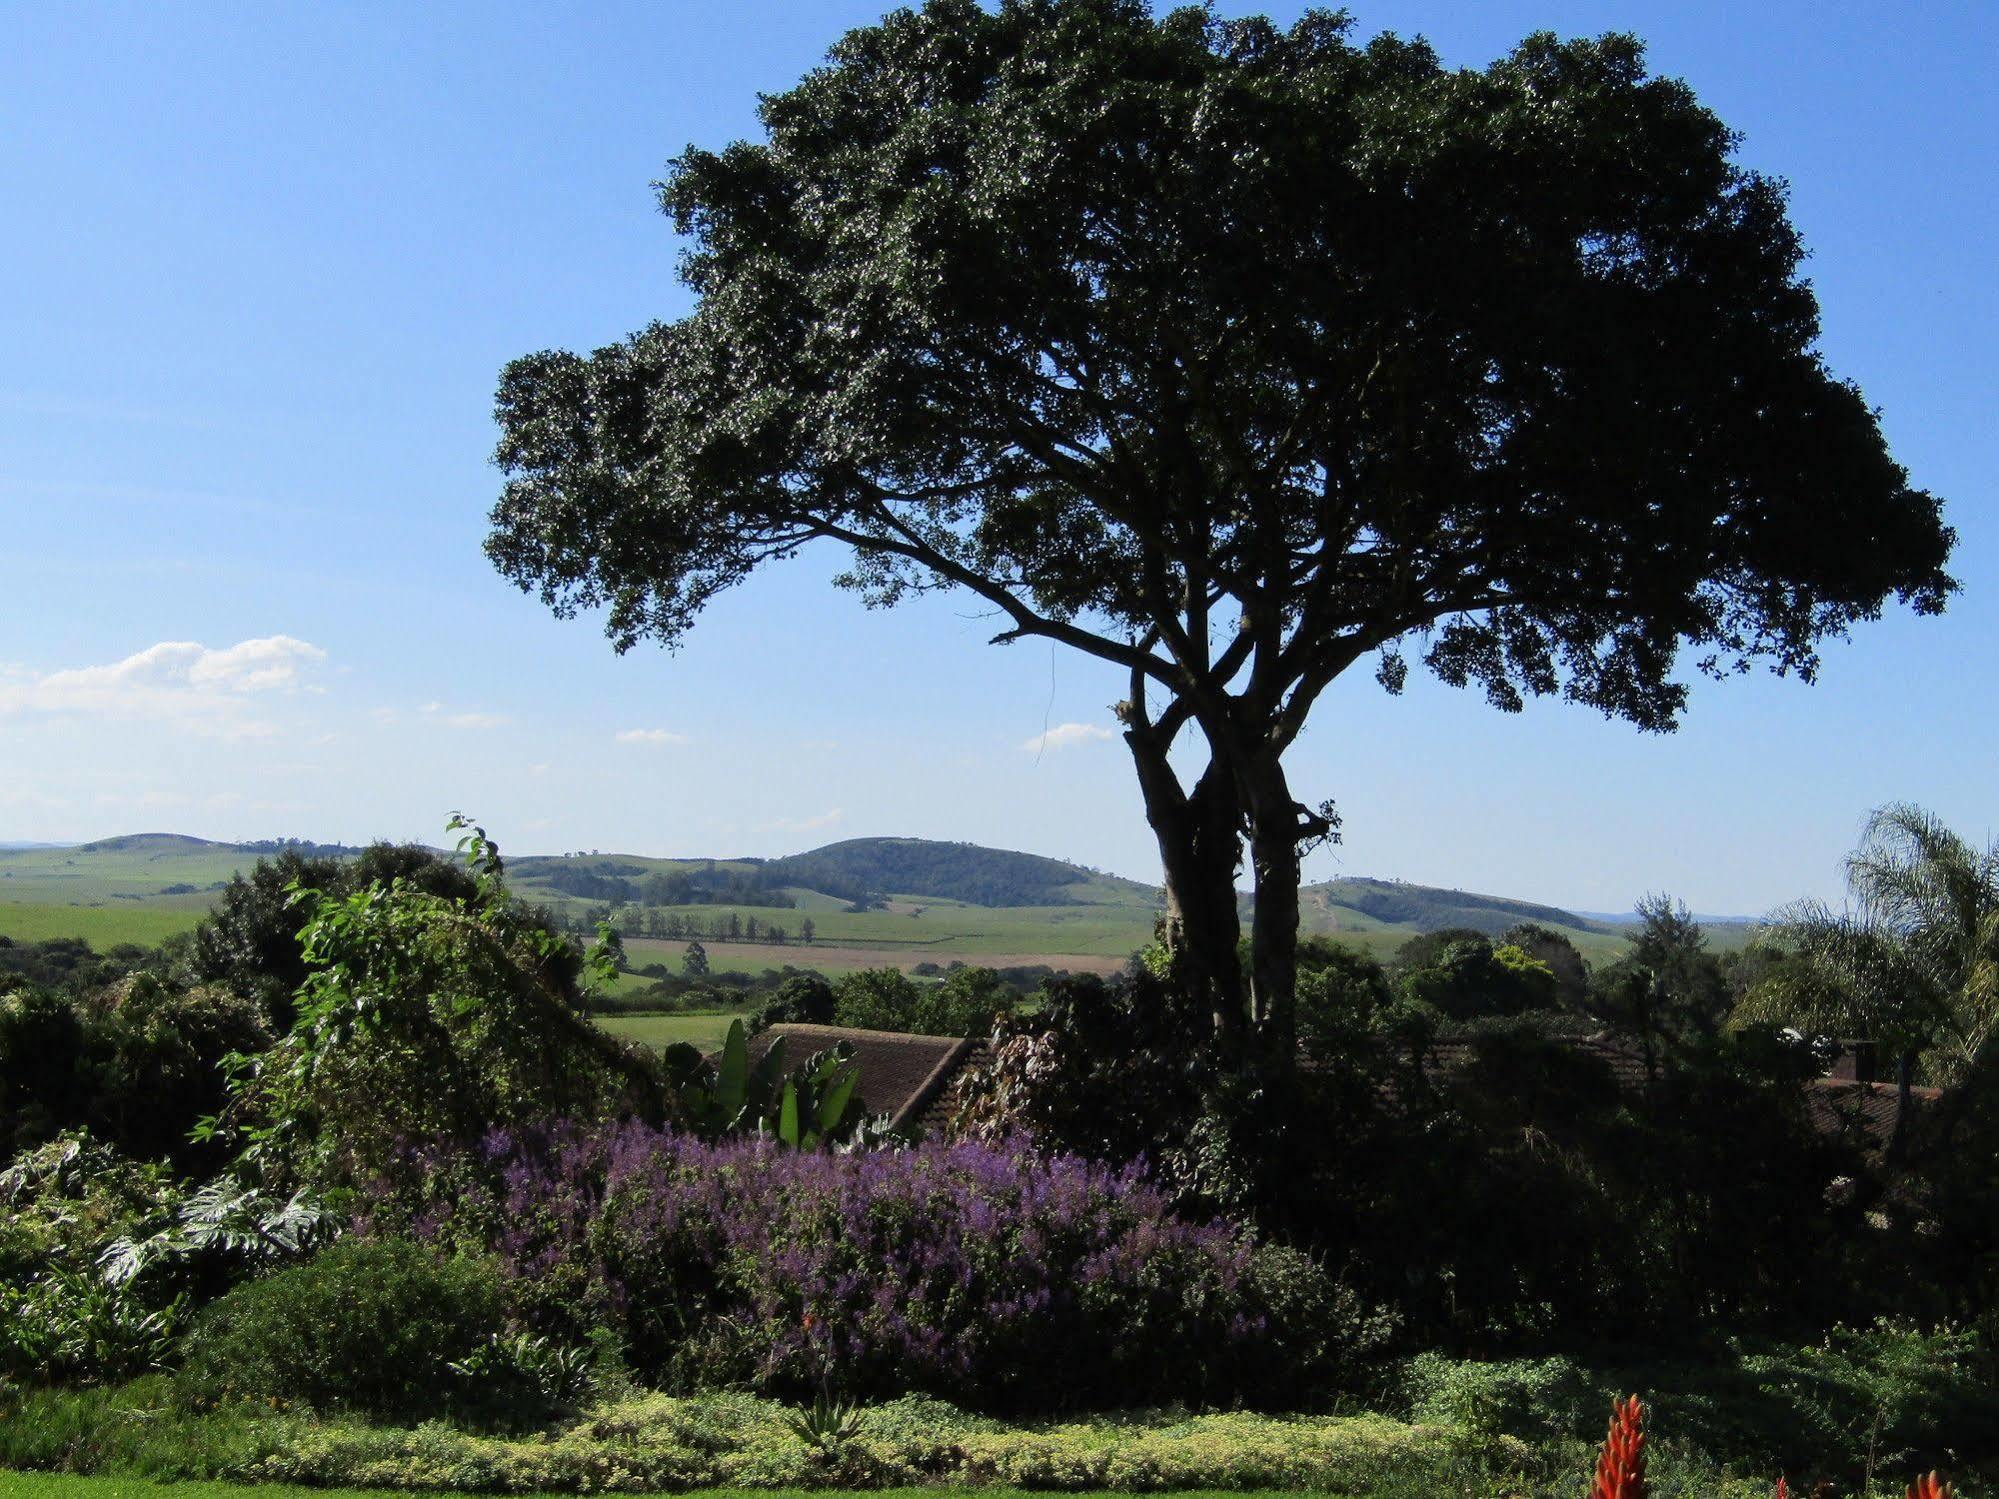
1620,1471
1929,1487
1783,1489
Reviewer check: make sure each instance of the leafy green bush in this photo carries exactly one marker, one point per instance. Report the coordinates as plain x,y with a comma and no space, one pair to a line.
61,1318
368,1327
517,1379
965,1003
76,1328
1317,1329
434,1018
656,1443
137,1063
1887,1398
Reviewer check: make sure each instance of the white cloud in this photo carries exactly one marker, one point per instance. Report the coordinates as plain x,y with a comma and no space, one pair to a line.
462,720
1066,734
177,679
651,736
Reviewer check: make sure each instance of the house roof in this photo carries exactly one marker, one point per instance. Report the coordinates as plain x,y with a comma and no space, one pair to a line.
908,1077
1625,1060
1837,1106
903,1076
1840,1105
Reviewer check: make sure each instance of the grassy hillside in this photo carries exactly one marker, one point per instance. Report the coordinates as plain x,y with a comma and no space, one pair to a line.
1428,909
940,902
954,871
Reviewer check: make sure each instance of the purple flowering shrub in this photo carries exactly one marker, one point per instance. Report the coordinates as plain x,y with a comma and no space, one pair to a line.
981,1274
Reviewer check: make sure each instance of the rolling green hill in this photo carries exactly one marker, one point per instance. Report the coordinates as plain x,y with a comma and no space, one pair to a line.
1424,908
954,871
931,901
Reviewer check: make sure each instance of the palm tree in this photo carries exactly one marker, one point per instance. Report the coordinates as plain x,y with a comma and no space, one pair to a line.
1911,963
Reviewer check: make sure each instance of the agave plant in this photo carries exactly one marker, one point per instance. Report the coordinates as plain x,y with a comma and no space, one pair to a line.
826,1424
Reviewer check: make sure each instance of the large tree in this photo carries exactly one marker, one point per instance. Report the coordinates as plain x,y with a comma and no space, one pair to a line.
1236,357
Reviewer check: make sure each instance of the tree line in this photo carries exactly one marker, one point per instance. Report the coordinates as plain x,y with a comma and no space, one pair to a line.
686,926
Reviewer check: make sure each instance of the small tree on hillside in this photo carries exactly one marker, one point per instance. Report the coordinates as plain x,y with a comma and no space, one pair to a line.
1236,357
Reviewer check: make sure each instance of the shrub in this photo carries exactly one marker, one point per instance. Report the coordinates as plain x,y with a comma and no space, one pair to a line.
73,1327
1108,1068
1887,1398
60,1318
44,1083
429,1017
965,1002
368,1327
137,1063
656,1443
975,1273
250,942
806,999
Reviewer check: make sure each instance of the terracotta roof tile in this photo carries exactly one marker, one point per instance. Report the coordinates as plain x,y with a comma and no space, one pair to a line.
903,1076
1839,1105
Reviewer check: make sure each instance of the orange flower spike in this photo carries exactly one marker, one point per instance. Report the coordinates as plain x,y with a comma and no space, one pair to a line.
1930,1487
1783,1489
1620,1469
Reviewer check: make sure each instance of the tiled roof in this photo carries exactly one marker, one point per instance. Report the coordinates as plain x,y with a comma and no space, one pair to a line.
902,1076
1838,1105
1625,1061
908,1077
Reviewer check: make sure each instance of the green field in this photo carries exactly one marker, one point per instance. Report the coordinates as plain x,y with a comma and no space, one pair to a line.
145,888
102,927
705,1031
914,924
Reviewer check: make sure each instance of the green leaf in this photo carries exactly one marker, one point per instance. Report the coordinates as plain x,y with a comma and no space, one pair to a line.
787,1116
833,1102
733,1079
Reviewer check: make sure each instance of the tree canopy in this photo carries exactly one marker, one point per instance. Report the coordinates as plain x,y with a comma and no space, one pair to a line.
1235,356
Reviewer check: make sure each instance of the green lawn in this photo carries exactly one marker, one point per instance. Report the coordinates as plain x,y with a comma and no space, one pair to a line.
704,1031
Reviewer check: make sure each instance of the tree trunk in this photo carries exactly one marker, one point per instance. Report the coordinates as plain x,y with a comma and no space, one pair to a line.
1199,850
1905,1075
1274,841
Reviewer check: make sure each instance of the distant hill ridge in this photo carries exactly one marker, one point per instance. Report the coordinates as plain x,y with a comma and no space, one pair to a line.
186,843
970,873
1430,909
966,872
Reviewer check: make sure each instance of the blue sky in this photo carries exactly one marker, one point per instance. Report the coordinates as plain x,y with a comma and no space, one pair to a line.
263,264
